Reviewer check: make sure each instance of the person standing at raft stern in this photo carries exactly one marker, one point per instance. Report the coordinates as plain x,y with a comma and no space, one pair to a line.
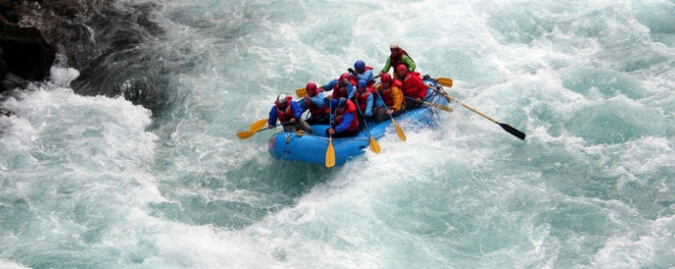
289,114
398,56
413,86
315,102
345,123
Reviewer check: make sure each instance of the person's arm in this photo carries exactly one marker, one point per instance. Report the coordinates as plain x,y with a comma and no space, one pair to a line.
347,119
367,76
318,100
409,62
272,119
369,106
386,67
397,95
350,89
297,110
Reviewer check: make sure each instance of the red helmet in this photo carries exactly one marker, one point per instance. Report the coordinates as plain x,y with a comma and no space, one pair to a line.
385,78
401,67
344,76
311,88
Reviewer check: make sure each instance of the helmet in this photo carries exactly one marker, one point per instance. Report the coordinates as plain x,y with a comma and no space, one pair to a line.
311,87
281,99
394,46
344,76
385,78
361,83
342,102
360,66
401,67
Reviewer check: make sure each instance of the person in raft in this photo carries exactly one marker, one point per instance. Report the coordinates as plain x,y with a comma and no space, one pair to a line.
391,98
413,86
364,99
315,102
398,56
345,123
289,114
361,71
341,87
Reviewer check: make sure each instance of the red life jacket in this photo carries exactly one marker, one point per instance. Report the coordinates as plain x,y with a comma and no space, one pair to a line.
314,109
397,59
351,108
362,99
285,114
413,86
337,92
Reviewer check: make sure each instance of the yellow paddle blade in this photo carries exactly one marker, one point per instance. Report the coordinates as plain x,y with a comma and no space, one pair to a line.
301,92
245,134
330,153
374,146
399,131
258,125
441,107
446,82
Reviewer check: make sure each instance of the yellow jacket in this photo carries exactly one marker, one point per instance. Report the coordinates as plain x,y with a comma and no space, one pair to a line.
395,94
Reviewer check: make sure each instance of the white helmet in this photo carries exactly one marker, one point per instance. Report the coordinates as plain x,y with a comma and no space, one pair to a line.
394,46
281,99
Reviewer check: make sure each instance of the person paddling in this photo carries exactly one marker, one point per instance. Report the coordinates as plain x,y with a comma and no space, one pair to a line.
391,98
315,102
412,86
289,114
345,123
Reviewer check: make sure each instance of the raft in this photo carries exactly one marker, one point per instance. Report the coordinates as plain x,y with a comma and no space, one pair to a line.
308,148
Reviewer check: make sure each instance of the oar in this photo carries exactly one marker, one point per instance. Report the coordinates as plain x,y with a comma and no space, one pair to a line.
447,82
506,127
441,107
373,144
301,92
247,134
254,128
399,131
330,151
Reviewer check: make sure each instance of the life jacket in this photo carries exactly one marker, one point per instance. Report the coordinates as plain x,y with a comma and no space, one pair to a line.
314,109
397,59
362,99
285,114
385,93
337,92
351,108
409,87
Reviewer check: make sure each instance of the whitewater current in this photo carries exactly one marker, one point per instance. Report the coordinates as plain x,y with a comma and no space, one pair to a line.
101,182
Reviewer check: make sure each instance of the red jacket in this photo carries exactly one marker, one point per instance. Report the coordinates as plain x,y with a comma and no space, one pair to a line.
413,86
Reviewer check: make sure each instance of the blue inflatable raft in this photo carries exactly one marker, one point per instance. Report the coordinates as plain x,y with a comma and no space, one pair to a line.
312,148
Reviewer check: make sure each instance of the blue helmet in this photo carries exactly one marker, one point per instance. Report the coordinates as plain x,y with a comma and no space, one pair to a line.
360,66
361,83
342,102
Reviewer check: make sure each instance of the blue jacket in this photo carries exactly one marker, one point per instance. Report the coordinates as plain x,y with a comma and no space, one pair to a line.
318,100
297,113
367,76
369,104
331,84
347,118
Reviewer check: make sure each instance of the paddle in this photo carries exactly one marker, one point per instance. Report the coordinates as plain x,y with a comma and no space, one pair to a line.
330,151
399,131
301,92
254,128
513,131
441,107
373,144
